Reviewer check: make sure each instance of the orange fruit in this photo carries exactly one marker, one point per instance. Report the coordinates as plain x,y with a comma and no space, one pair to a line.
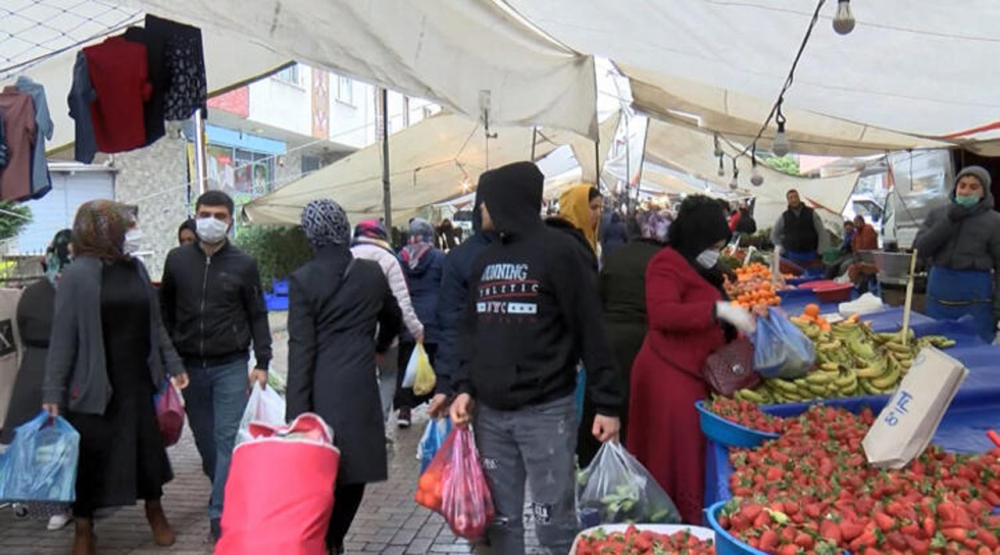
812,310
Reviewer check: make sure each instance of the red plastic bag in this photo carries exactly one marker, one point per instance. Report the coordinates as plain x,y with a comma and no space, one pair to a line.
170,414
279,494
455,486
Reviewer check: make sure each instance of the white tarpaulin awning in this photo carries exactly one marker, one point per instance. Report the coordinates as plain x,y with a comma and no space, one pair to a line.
468,56
428,164
690,150
911,67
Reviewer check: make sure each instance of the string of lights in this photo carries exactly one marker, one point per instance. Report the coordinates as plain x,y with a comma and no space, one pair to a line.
843,24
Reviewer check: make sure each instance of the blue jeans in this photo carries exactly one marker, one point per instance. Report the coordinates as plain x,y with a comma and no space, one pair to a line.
215,401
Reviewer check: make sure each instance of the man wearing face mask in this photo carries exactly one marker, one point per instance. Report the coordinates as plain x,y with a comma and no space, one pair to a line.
962,243
213,307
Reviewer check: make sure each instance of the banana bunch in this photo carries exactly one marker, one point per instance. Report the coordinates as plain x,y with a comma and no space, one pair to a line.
851,360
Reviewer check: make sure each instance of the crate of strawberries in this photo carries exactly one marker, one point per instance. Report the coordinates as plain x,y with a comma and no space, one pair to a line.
812,491
737,423
645,539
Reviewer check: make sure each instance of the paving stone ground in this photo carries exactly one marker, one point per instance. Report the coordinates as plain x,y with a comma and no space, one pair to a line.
388,522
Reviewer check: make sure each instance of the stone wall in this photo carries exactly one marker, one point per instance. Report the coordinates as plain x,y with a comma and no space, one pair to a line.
155,178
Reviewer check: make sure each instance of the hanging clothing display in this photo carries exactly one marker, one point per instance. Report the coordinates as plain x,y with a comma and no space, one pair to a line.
119,74
183,67
18,114
81,95
158,78
41,181
3,146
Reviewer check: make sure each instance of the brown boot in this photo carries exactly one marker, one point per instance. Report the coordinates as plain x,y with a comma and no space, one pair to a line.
85,542
163,534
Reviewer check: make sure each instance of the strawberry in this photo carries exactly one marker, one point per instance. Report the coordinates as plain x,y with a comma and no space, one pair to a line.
768,541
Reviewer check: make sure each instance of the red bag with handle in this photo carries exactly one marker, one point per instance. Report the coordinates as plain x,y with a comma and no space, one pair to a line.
279,494
170,414
464,501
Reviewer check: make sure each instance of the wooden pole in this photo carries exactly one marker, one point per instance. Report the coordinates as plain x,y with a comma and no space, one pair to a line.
908,306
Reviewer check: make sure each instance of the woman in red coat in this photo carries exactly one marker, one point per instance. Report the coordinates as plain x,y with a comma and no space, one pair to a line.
689,317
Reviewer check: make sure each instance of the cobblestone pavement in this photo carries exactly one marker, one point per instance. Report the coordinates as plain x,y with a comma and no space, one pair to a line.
389,521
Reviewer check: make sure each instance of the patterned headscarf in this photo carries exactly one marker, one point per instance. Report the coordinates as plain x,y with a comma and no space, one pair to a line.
325,223
421,242
99,229
57,255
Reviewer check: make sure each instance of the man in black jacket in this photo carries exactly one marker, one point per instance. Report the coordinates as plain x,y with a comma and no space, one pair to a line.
532,316
213,307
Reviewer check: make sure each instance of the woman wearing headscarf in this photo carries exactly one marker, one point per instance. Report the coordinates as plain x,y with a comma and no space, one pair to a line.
689,317
336,304
187,234
34,321
423,265
580,208
962,243
108,355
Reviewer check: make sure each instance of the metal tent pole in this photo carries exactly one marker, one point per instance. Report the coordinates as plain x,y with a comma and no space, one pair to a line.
199,152
386,186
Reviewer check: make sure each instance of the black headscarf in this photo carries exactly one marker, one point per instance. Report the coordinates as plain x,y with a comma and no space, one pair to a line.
699,225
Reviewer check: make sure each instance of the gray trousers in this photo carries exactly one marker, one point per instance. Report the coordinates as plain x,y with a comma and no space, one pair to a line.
537,444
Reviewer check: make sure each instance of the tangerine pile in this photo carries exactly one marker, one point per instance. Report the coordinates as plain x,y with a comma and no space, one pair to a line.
753,287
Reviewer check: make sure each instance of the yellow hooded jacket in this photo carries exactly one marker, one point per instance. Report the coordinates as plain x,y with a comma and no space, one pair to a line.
574,207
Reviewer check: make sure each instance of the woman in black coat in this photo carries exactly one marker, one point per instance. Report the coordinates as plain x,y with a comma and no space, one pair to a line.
336,305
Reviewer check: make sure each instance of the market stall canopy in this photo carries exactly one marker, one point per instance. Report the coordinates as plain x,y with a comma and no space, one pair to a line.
429,162
468,56
690,150
911,74
40,39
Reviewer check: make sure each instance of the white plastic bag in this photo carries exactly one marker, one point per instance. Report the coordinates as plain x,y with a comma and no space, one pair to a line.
265,406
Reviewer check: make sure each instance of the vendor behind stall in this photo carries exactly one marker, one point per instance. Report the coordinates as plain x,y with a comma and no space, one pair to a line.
962,243
800,232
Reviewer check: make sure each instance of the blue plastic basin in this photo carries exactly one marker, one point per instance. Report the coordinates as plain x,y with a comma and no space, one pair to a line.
728,433
726,543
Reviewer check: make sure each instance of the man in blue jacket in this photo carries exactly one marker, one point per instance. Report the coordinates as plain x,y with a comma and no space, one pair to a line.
453,301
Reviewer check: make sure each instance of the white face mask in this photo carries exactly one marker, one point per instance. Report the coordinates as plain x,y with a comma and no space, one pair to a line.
708,258
133,240
211,230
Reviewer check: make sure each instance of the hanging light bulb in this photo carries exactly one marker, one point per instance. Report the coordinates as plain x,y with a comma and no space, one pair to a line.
466,185
718,147
756,179
722,170
735,182
781,145
843,22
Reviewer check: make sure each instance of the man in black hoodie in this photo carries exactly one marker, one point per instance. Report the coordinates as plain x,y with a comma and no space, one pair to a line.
532,317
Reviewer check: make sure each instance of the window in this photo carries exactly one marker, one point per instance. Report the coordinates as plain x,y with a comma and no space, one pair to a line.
345,90
289,75
310,164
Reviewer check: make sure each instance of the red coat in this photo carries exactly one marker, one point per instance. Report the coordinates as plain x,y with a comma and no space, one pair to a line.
119,72
663,431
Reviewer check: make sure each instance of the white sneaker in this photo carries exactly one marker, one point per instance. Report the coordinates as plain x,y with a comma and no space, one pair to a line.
58,522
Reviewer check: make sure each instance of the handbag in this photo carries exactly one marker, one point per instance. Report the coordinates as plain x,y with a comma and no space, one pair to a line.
730,368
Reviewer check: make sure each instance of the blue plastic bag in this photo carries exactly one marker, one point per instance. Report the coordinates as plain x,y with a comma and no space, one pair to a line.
781,350
40,465
434,436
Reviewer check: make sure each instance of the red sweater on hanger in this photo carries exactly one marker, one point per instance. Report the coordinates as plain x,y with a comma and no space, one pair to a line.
119,73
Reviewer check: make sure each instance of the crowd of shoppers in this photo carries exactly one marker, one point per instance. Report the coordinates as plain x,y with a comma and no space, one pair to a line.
509,318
